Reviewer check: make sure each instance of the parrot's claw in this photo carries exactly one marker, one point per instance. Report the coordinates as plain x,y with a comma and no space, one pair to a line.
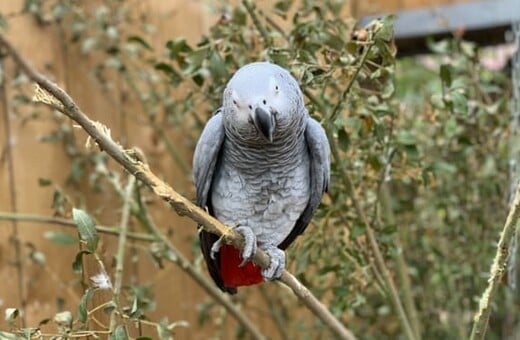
276,265
249,244
215,248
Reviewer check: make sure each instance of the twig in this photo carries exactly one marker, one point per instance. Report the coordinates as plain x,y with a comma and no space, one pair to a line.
181,205
279,319
256,21
402,267
380,266
185,265
121,245
18,262
498,268
176,257
174,154
354,76
70,223
372,241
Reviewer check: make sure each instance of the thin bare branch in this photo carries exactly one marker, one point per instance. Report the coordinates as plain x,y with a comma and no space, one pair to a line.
121,247
498,268
181,205
18,262
70,223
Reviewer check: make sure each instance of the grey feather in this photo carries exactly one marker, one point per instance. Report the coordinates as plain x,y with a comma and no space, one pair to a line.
319,151
261,163
206,156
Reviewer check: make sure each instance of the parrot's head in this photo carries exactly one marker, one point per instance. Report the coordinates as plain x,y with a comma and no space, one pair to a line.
262,102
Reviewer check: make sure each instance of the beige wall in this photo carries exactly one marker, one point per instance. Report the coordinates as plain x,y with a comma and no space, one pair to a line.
177,295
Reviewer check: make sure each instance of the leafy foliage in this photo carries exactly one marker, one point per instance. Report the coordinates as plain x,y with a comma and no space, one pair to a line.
419,152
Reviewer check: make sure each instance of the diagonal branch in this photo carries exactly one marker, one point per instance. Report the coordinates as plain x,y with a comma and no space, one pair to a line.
498,268
179,203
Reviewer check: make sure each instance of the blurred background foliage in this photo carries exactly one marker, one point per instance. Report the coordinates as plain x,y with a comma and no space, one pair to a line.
420,151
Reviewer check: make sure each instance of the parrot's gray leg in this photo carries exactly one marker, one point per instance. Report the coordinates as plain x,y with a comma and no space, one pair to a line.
249,244
277,263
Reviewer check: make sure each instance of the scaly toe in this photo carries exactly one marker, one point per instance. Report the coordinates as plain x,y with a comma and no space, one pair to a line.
276,264
215,248
249,244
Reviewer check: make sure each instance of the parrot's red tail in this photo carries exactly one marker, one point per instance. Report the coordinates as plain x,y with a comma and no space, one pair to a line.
232,274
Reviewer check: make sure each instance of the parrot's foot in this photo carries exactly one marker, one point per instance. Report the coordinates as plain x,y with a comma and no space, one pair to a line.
277,263
249,245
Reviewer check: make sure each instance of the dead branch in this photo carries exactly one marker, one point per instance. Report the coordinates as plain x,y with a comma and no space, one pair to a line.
180,204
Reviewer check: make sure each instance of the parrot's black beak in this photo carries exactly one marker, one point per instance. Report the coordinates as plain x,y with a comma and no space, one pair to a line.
265,123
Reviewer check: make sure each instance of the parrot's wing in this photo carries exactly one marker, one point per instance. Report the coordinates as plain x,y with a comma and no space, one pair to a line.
206,156
205,161
319,152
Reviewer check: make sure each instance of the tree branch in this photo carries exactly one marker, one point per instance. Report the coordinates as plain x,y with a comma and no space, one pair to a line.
17,244
498,268
180,204
5,216
174,256
121,247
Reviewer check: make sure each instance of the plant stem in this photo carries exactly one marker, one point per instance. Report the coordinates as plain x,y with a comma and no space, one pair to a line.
256,21
121,246
357,69
182,205
18,262
279,319
70,223
498,268
185,265
402,267
372,240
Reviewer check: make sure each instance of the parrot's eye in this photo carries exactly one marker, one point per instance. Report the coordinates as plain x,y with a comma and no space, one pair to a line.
234,102
264,101
250,107
277,88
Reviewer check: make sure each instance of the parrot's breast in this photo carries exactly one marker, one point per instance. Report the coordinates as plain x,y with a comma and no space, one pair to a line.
266,192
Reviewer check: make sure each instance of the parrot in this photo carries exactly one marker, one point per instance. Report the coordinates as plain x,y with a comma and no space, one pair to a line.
261,166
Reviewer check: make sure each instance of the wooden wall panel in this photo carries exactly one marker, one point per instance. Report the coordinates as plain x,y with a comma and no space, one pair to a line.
177,296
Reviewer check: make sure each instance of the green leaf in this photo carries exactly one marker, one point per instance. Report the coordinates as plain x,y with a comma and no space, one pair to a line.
406,138
343,140
460,102
177,48
446,72
61,238
442,166
44,182
239,16
82,307
87,228
140,41
281,7
195,59
119,333
88,45
451,127
77,265
356,230
386,32
170,72
3,22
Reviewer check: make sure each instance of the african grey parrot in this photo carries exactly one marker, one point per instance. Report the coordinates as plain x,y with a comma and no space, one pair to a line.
261,165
